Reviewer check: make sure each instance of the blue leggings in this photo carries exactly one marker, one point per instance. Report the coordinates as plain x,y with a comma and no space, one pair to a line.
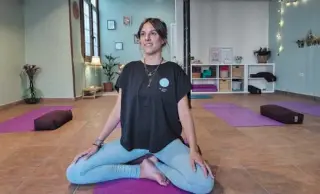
109,164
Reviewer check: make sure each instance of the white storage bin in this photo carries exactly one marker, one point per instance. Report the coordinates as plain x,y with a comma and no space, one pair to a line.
236,85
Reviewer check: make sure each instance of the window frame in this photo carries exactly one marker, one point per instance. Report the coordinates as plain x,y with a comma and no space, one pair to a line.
82,29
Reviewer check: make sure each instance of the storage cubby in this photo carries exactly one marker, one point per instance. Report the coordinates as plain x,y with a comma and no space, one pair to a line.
230,78
204,78
237,71
225,71
237,85
258,76
224,85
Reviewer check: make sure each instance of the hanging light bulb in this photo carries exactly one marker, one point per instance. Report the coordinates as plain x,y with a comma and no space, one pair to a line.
281,22
278,36
280,48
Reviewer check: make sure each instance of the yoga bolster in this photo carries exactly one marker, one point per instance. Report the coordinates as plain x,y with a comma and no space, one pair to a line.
281,114
254,90
52,120
269,77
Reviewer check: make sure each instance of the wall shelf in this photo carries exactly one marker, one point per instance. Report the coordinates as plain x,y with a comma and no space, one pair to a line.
230,78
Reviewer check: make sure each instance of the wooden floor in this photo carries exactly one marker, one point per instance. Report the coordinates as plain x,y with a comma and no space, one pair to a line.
256,160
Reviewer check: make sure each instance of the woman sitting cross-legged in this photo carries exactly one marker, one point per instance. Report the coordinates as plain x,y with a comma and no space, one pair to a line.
153,110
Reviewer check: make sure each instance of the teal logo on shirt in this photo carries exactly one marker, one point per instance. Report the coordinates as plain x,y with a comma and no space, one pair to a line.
164,82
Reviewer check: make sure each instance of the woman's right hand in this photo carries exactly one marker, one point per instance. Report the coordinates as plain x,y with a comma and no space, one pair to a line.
87,154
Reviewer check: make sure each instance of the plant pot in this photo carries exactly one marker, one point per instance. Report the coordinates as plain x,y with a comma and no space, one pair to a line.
238,61
32,100
262,58
108,87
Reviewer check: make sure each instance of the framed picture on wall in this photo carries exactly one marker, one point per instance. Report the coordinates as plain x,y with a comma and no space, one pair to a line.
127,20
118,45
221,55
135,39
226,55
111,24
214,55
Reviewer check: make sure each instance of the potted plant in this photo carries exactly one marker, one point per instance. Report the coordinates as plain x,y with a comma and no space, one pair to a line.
31,93
108,69
300,43
238,59
263,55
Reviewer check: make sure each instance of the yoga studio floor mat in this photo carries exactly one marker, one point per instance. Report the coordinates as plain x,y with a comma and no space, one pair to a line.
25,122
239,116
304,108
135,186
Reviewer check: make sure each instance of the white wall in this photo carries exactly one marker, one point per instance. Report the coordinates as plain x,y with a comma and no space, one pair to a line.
242,25
11,50
48,46
179,30
77,55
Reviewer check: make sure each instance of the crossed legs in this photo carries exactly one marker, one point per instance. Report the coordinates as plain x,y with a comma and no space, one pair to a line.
109,164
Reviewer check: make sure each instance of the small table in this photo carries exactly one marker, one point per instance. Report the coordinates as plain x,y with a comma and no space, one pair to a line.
92,92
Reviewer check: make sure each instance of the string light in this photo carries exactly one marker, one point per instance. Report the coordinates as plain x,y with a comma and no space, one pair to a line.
281,10
281,23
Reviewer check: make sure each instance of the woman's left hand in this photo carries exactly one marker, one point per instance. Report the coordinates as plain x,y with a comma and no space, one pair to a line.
196,158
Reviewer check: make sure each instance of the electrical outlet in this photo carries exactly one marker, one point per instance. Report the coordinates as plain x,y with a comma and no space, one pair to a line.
301,74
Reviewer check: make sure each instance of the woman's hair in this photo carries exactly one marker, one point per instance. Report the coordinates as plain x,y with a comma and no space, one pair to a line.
159,26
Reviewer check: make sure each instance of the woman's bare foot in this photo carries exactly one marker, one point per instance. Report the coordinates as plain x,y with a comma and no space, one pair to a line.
153,159
150,171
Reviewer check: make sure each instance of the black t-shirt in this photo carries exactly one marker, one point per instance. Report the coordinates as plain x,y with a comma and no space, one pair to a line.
149,115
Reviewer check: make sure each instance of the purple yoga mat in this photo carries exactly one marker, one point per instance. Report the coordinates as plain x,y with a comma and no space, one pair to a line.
304,108
135,186
25,122
239,116
219,105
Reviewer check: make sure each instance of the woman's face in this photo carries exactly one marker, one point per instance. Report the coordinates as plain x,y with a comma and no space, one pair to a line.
150,40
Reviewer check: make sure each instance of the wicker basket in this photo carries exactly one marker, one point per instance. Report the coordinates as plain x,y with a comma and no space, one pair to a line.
262,58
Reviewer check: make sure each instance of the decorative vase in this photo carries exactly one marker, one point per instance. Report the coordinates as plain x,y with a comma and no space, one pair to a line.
31,97
30,94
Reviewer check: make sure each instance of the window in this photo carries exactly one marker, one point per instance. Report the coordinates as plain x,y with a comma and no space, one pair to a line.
90,38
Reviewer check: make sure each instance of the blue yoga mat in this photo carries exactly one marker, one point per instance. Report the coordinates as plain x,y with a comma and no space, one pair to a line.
200,96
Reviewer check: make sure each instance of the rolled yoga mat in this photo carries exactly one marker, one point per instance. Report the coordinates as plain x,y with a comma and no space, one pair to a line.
135,186
240,116
301,107
25,122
